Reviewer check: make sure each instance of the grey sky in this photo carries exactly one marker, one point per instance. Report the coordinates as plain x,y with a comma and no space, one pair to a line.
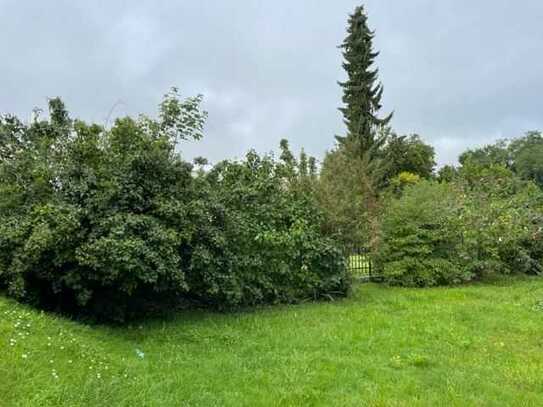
458,72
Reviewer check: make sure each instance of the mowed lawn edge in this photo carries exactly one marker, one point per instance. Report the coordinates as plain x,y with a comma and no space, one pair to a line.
479,344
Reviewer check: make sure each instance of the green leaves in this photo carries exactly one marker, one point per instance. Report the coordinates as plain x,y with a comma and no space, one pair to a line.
421,237
362,92
408,154
523,156
450,233
89,230
131,249
112,222
264,242
181,120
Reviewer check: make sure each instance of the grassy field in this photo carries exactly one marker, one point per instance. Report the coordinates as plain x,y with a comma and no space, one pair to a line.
475,345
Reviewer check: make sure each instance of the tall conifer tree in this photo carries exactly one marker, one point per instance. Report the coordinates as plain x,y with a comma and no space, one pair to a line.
362,91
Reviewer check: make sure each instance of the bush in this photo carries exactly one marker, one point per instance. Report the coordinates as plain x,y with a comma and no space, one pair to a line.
400,181
501,222
487,221
265,243
421,237
108,222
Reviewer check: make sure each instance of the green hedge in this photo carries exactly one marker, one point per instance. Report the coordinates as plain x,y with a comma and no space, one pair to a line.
421,237
449,233
112,222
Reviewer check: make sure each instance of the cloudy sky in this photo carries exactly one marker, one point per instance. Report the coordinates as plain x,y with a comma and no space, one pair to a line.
460,73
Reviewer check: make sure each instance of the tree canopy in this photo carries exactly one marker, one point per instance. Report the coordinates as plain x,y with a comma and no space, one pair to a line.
362,91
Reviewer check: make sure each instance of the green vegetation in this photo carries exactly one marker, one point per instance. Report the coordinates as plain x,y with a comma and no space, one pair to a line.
367,160
362,91
421,236
112,222
449,233
522,155
408,154
469,346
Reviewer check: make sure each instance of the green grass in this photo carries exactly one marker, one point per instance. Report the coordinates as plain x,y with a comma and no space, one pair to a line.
479,345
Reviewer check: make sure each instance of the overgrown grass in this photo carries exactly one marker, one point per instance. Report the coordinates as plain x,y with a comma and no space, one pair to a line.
474,345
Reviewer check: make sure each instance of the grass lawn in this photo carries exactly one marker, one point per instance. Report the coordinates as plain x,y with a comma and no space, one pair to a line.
475,345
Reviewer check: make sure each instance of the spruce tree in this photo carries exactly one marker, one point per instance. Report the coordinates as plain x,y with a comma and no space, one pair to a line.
362,90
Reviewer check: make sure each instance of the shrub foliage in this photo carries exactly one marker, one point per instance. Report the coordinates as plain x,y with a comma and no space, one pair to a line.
448,233
110,221
421,237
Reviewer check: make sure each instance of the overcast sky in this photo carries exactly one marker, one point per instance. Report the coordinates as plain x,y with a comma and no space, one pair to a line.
460,73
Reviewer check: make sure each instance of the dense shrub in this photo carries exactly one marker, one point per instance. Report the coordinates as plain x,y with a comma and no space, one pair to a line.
502,220
487,221
265,243
421,237
340,191
110,221
400,181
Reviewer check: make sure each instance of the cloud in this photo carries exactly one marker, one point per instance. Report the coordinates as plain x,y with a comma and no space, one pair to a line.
458,72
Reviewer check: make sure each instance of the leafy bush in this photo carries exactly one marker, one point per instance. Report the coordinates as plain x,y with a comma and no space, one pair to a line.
421,237
487,221
400,181
265,242
111,221
340,193
501,223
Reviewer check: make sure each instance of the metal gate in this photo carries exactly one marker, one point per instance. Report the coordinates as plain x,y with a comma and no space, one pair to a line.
359,263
